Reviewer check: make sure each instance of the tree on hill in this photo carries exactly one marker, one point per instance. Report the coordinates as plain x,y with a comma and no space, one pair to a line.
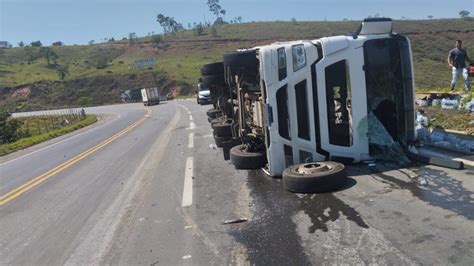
58,43
169,24
132,36
91,42
21,44
36,44
199,29
217,10
48,54
63,71
32,53
464,14
157,40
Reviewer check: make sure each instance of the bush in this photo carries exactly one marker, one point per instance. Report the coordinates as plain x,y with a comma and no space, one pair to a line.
84,101
102,62
157,39
8,127
214,31
199,30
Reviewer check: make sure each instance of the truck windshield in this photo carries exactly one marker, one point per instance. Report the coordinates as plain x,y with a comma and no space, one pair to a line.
389,85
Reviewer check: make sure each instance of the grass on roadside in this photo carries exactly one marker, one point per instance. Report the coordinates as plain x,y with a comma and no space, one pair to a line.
30,141
450,119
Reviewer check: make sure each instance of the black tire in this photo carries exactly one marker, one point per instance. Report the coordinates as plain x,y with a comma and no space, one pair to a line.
220,140
242,62
213,80
212,69
243,159
316,177
213,113
222,129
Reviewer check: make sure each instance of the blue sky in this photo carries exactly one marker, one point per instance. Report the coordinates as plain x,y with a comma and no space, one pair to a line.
79,21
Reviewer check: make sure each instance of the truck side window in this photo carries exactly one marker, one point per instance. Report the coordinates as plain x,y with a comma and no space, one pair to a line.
281,63
302,110
338,95
282,110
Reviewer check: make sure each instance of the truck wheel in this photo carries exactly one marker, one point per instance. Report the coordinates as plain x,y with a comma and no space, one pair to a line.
243,159
314,177
218,120
213,113
212,69
220,140
242,62
222,129
213,80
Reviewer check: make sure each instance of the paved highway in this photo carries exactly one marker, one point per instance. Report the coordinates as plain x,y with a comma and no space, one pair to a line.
143,186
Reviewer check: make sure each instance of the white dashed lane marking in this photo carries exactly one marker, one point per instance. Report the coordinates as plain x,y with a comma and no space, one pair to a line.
191,141
188,184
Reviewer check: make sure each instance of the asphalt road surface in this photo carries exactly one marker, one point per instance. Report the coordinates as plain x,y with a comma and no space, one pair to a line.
145,186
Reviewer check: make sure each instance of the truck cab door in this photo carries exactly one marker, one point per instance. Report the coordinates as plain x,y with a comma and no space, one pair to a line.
342,101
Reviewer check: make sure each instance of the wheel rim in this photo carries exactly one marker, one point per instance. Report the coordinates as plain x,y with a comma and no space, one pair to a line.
311,168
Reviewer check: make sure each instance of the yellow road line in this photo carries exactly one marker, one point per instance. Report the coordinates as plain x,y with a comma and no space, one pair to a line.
15,193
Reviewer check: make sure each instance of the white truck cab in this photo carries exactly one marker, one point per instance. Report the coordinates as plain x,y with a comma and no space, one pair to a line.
317,100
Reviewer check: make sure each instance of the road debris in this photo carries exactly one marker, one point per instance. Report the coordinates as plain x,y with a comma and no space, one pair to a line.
212,146
448,103
235,221
423,182
446,100
381,143
422,102
421,118
372,167
186,257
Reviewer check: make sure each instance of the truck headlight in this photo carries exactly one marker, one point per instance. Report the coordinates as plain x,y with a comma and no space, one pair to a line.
299,57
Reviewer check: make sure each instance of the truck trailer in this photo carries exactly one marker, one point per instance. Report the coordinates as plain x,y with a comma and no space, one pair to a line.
150,96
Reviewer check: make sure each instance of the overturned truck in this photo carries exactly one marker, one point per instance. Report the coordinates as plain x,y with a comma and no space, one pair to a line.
298,109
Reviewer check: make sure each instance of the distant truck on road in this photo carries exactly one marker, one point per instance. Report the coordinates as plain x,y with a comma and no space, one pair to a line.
150,96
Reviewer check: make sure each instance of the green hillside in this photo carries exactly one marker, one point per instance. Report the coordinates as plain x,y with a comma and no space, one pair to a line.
109,66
